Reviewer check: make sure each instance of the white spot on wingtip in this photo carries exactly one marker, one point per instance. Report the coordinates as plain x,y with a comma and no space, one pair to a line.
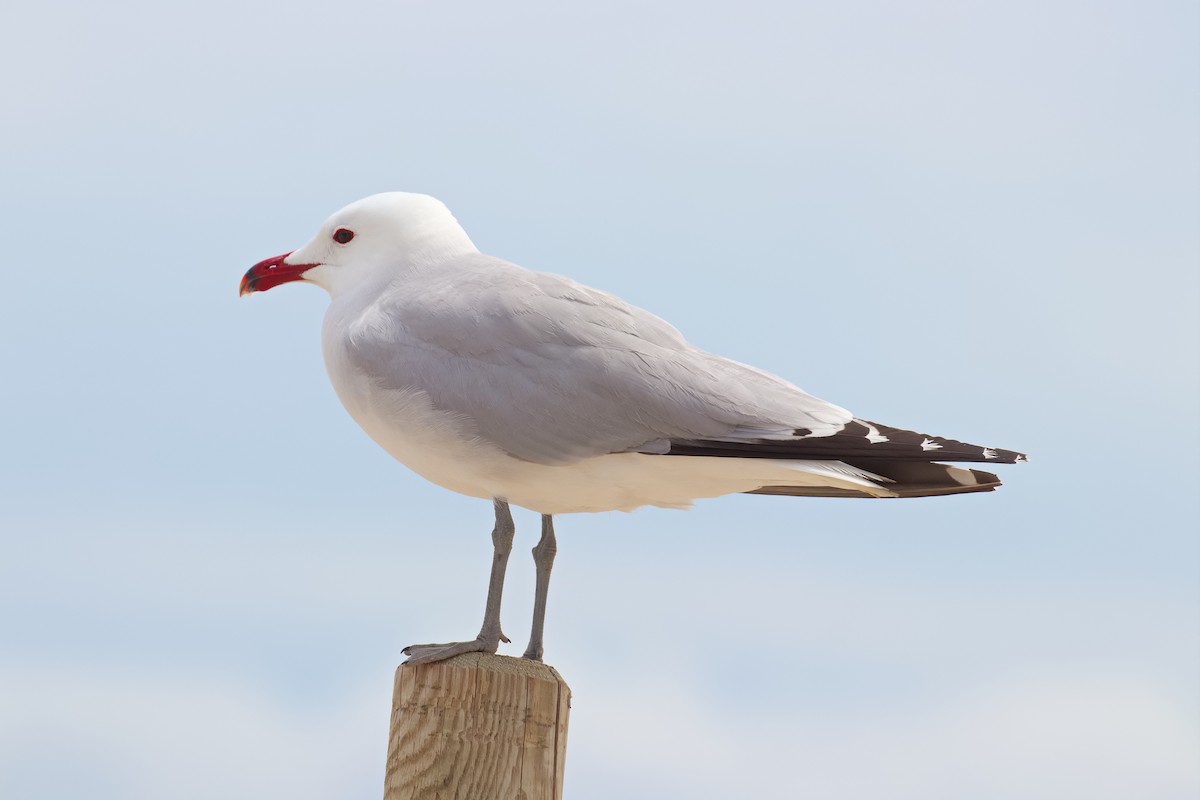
1022,459
989,452
873,434
930,444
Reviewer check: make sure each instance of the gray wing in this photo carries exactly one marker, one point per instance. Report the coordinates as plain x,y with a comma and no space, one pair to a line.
554,372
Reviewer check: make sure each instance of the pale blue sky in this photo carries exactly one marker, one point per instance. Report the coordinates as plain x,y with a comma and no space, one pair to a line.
975,219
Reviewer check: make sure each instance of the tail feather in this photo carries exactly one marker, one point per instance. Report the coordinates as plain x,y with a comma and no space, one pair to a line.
905,479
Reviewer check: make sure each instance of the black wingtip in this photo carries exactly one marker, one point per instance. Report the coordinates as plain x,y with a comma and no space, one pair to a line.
857,439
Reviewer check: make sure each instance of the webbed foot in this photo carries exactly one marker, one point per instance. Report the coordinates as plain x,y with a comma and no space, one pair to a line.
429,653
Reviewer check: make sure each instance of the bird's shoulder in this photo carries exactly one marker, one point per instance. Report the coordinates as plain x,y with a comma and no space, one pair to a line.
477,304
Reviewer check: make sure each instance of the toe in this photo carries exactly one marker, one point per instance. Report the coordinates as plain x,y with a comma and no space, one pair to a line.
429,653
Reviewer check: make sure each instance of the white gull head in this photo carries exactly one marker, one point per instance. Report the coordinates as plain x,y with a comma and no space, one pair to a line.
376,237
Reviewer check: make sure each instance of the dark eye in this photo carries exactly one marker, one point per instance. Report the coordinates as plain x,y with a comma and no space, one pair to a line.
343,235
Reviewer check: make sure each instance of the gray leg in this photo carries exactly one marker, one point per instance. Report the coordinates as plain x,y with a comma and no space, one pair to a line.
490,635
543,560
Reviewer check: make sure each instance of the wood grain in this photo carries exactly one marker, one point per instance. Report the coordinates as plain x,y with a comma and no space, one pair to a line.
477,727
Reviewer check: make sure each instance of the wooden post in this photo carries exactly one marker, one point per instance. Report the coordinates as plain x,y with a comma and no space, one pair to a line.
477,727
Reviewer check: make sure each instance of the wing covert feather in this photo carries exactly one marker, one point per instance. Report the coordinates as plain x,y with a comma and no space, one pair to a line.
553,372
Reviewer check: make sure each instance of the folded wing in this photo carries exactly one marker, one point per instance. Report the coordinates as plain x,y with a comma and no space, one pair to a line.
555,372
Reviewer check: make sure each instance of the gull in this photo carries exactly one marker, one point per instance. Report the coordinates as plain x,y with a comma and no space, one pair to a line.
528,388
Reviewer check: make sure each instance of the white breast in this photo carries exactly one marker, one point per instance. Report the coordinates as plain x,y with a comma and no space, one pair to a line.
432,443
